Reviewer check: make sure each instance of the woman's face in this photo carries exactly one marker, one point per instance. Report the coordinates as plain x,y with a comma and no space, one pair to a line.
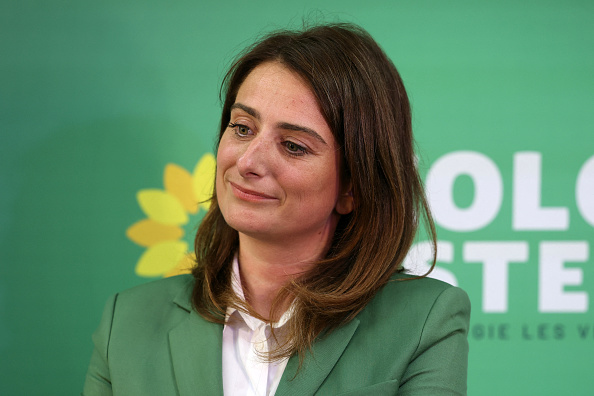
278,165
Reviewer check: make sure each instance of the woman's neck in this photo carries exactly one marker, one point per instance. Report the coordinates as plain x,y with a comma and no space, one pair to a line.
266,267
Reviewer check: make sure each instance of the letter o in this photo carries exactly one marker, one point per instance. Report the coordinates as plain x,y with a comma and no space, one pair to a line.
488,190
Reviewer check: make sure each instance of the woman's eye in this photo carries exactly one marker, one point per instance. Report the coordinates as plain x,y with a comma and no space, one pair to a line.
240,130
295,149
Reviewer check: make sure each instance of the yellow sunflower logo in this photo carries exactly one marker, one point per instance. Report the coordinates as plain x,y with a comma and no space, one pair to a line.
167,211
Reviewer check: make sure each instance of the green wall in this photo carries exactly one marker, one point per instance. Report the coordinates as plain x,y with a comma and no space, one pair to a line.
97,98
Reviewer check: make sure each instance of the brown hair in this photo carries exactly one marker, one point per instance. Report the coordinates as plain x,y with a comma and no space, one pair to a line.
363,100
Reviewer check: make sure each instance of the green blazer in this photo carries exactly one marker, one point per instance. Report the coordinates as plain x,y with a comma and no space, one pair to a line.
411,339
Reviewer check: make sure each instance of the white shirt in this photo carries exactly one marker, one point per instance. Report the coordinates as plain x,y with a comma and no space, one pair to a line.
245,372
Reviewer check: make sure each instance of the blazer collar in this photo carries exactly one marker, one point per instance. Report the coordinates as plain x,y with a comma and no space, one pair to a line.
196,351
316,365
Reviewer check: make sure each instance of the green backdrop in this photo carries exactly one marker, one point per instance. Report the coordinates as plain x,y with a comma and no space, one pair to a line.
107,107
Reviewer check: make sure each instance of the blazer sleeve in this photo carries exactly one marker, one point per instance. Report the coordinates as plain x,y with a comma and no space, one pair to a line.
98,381
440,363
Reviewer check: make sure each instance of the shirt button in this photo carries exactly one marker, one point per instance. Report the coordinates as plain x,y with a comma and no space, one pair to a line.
260,347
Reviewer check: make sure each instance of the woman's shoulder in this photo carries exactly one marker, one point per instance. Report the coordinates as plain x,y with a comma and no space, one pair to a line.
163,291
402,281
418,296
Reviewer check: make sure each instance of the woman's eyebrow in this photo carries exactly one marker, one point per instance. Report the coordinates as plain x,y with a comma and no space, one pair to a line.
250,110
282,125
309,131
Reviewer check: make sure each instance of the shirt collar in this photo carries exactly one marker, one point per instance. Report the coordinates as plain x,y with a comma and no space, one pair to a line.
249,320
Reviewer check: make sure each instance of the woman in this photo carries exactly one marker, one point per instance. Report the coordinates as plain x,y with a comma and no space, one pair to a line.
298,287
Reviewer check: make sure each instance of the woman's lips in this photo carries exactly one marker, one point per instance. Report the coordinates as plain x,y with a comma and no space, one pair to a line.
249,195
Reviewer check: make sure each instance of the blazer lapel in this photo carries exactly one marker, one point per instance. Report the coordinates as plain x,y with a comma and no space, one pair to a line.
318,364
196,352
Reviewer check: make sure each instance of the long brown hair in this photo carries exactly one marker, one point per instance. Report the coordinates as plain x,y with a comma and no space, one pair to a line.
363,100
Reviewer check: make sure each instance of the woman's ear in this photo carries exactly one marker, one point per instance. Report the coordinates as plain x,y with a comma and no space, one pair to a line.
345,203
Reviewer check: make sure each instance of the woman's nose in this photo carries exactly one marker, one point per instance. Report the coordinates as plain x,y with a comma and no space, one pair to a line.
256,158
